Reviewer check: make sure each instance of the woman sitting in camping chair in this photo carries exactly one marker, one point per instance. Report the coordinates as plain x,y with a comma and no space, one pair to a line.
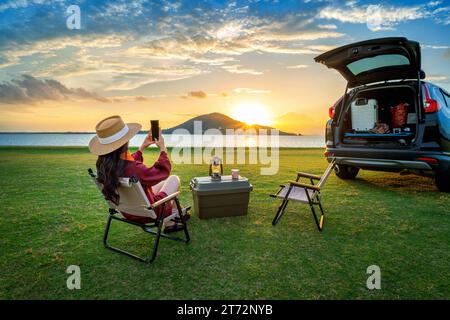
115,161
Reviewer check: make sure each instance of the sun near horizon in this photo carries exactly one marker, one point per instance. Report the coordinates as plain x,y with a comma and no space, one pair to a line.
251,113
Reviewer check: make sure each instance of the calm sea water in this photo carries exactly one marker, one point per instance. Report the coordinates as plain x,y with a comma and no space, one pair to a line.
82,139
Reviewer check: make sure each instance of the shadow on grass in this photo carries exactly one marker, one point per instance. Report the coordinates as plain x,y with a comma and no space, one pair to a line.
392,182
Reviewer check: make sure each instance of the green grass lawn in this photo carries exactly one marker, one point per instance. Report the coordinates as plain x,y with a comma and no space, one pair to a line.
53,216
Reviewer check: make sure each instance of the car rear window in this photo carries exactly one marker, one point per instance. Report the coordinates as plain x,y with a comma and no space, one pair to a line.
381,61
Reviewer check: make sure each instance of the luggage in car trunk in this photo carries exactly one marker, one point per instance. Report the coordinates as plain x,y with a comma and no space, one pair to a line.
399,115
222,198
364,114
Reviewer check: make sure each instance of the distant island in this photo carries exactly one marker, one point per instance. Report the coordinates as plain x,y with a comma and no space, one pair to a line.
221,122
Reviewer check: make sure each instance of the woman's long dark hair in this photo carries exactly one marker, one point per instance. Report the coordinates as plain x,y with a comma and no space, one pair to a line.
109,168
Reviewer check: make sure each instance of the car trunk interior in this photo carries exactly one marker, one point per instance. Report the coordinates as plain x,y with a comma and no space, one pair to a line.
383,115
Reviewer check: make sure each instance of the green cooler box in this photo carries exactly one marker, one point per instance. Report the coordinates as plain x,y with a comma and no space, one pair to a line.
221,198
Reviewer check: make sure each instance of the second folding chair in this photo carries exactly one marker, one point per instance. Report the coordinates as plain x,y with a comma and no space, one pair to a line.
307,193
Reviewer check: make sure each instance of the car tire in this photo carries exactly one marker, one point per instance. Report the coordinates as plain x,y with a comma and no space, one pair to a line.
346,172
443,181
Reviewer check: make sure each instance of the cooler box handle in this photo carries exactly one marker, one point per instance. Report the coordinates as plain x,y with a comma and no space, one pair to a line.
192,183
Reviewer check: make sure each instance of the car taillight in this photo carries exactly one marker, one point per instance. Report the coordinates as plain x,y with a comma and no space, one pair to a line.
428,160
328,154
331,112
430,105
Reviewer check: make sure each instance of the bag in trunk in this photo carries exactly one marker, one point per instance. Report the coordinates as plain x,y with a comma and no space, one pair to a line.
399,115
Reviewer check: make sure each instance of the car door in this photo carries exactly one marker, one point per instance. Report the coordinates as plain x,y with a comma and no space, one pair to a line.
444,120
375,60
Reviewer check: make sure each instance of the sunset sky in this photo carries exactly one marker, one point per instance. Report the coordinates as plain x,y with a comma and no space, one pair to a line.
172,60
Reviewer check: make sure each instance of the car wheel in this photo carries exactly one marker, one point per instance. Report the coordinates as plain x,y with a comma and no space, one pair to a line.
346,172
443,181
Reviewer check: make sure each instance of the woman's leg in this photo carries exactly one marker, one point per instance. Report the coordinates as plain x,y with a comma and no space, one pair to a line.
170,185
157,187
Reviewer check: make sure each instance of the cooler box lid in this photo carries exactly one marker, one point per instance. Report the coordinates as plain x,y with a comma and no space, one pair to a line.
205,185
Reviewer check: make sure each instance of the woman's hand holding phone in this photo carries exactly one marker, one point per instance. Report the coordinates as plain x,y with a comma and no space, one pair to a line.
160,142
148,141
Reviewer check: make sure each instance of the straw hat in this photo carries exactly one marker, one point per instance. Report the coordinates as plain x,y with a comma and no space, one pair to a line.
112,133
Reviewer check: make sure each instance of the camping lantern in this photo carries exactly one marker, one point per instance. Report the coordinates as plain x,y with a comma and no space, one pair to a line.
216,168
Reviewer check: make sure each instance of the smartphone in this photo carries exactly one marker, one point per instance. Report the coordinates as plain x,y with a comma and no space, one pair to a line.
154,125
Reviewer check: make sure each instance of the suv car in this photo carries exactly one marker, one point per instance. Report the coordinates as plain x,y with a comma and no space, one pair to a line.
385,84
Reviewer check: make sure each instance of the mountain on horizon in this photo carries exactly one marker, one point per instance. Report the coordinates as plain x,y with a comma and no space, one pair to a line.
222,122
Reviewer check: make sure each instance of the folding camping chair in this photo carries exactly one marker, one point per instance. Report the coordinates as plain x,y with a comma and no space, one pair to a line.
305,193
133,200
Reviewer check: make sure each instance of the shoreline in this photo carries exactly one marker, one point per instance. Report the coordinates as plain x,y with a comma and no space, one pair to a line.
141,132
149,149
